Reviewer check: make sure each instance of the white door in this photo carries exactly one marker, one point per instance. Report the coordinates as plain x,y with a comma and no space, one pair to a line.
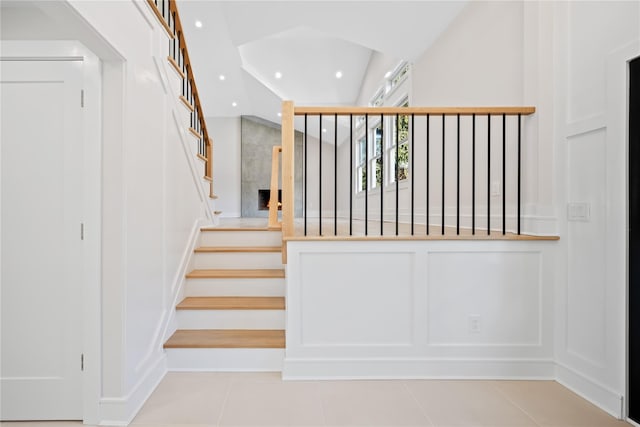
41,252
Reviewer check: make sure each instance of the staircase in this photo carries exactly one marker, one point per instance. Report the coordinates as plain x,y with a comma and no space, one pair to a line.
233,315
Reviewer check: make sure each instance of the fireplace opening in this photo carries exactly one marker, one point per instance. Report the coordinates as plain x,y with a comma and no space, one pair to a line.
264,197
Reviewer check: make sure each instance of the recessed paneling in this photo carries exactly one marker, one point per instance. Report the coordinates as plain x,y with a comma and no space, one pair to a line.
588,22
484,298
356,299
586,287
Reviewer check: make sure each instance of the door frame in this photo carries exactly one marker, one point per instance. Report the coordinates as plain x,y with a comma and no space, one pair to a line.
637,58
617,247
92,202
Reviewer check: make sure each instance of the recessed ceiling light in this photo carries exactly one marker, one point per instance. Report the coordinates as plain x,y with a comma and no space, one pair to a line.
198,24
279,114
234,104
324,130
278,75
338,74
221,77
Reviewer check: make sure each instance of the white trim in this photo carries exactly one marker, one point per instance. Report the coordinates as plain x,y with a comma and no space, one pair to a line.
633,423
591,390
617,192
390,368
121,411
168,323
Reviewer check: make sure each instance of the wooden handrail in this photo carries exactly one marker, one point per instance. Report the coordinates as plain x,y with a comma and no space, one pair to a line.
288,155
273,192
178,32
419,111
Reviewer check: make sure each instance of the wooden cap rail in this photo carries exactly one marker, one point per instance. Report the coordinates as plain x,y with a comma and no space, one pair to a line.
419,111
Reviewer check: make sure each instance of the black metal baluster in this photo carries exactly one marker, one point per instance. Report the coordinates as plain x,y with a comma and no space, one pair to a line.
412,171
519,166
488,174
458,178
320,176
427,212
504,174
381,175
350,174
397,174
335,176
366,174
179,51
473,174
305,174
443,170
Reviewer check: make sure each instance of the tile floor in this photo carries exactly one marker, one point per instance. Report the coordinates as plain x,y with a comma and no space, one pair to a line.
263,399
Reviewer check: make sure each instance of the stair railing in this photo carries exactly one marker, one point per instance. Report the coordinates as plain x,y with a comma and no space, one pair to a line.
275,203
167,13
497,131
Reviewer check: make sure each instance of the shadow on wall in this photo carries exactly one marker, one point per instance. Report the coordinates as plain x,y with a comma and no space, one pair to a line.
258,137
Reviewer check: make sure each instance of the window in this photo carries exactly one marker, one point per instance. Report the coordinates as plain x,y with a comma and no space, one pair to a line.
401,129
378,98
375,162
361,171
399,75
383,146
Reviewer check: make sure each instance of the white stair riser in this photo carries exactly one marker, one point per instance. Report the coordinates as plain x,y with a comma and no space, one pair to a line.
237,260
225,359
235,287
230,319
240,238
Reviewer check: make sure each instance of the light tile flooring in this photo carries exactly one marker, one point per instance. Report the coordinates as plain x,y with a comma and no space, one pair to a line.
263,399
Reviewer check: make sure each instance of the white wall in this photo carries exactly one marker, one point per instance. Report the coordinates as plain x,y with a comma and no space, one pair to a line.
227,178
593,41
153,198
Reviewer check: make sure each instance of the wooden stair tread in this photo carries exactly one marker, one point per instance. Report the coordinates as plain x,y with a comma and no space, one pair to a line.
236,274
232,303
226,338
239,249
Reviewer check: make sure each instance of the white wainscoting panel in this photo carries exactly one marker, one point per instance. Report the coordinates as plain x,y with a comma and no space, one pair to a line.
484,298
356,299
419,309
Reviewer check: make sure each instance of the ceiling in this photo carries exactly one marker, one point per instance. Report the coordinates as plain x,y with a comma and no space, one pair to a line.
306,42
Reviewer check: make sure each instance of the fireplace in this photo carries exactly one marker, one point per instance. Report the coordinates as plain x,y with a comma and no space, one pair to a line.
263,200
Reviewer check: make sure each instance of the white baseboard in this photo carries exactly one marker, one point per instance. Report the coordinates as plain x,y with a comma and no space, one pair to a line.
591,390
308,369
122,410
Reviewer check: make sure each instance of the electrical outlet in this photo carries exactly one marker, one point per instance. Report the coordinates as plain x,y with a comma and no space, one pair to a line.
474,324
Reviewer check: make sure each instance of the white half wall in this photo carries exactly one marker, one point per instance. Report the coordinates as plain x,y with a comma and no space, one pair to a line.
407,309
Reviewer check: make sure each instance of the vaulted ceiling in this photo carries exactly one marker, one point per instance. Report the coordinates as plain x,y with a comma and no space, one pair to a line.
248,56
